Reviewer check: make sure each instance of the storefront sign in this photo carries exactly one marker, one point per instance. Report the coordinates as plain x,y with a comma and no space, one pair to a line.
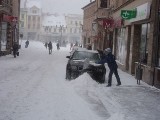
128,14
143,12
10,19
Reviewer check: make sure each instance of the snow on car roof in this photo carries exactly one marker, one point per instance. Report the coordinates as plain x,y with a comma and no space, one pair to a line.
93,51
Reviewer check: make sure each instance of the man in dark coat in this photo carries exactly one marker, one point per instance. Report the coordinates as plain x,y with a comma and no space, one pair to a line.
109,58
50,47
57,46
27,43
15,49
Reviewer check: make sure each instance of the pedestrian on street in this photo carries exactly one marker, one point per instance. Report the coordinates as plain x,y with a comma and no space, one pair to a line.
27,43
109,58
71,45
50,47
46,44
15,49
58,46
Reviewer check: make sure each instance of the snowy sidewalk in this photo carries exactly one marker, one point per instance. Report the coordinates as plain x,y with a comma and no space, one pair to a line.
126,102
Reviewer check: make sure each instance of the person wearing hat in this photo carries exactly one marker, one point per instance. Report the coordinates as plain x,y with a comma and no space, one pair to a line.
109,58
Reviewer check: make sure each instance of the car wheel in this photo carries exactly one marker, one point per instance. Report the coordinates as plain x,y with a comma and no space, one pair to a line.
102,80
68,75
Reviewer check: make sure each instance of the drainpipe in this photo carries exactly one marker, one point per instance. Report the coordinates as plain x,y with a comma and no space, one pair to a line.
156,38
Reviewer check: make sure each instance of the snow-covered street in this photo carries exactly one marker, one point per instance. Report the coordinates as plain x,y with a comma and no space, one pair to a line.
33,87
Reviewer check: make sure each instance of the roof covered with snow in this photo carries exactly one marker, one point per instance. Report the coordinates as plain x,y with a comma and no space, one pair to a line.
54,21
31,3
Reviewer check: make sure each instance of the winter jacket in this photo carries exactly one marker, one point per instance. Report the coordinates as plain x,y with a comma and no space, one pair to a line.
15,47
50,45
110,60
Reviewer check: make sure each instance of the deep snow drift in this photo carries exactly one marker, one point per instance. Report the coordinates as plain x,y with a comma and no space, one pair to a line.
33,87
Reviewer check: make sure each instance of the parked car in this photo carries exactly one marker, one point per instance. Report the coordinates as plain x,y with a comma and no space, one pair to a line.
75,66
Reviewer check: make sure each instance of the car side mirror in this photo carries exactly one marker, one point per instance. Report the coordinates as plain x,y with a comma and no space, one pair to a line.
67,56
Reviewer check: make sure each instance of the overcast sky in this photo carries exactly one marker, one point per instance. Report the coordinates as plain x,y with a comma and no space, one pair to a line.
63,6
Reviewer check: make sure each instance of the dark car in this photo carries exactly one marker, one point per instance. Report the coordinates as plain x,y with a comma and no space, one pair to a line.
75,65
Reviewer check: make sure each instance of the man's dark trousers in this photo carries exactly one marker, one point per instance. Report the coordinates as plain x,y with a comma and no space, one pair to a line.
116,75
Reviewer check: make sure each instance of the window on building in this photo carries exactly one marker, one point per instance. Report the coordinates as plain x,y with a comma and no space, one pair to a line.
121,45
34,26
22,16
143,43
34,18
70,30
3,36
76,23
79,30
38,19
75,30
29,18
29,26
22,24
103,3
38,26
34,11
71,22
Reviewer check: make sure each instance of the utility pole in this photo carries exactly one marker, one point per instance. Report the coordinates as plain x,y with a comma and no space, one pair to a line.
61,29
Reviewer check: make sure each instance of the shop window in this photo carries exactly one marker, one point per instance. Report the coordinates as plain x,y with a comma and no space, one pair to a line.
121,45
4,36
143,43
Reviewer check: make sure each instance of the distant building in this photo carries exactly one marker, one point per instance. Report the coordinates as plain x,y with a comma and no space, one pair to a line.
53,28
30,18
23,22
74,24
34,19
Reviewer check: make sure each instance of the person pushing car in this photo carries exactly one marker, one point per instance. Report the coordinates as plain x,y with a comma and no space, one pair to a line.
109,58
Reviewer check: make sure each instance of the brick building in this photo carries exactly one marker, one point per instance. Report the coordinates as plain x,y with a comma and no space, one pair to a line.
134,40
88,19
95,30
9,14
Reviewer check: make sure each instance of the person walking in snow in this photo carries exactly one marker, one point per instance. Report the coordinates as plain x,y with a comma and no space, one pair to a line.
15,49
27,43
46,44
109,58
50,47
58,46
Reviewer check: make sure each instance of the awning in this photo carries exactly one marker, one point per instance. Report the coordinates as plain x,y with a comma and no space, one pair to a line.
8,18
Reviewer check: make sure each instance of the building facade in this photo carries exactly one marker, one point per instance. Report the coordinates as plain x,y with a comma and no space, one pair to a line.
54,28
23,23
9,24
74,24
88,19
97,21
134,39
33,22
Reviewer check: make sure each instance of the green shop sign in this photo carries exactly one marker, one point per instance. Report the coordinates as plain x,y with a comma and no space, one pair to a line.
128,14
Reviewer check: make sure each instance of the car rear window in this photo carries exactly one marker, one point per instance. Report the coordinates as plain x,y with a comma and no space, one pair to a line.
82,55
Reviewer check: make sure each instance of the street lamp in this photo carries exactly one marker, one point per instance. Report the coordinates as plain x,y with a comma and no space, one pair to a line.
61,28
